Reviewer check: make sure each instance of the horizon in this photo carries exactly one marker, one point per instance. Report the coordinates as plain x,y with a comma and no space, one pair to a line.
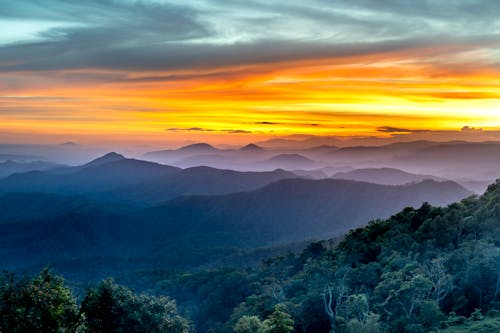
157,73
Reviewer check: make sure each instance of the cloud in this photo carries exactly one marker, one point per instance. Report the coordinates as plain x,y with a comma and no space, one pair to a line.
201,129
468,129
190,129
266,123
198,129
238,131
150,36
389,129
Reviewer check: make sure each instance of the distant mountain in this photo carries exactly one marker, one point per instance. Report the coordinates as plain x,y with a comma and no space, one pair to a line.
211,160
468,153
197,148
252,148
193,149
185,156
297,209
67,154
375,154
69,144
19,158
116,178
9,167
476,160
193,231
385,176
108,158
311,174
290,162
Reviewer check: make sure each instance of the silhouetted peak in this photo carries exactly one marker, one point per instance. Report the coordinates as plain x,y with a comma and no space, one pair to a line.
108,158
69,144
197,147
251,147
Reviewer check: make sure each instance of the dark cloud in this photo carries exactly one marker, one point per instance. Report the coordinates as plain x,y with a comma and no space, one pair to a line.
238,131
468,129
201,129
389,129
141,36
265,123
198,129
190,129
45,56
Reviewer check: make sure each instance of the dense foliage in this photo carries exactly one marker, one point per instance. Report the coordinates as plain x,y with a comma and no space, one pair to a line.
44,304
422,270
40,304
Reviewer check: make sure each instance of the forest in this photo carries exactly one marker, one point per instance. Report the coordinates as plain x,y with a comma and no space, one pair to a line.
430,269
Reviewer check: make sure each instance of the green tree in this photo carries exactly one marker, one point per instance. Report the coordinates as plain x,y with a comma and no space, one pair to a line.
249,324
369,325
40,304
111,308
279,321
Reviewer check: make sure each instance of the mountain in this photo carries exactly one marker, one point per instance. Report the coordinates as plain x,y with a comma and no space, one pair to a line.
197,148
116,178
297,209
252,148
312,174
69,144
10,167
457,159
67,154
41,229
19,158
195,230
385,176
193,149
211,160
181,156
108,158
375,154
445,256
290,162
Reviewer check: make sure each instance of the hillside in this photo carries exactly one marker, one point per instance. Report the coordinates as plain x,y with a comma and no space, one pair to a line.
290,162
297,209
385,176
10,167
443,260
422,270
53,229
115,178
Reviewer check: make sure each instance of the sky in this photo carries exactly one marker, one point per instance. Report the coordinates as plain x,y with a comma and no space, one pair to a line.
228,72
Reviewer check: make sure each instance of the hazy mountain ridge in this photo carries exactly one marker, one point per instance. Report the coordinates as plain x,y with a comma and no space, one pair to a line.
200,229
385,176
10,167
114,176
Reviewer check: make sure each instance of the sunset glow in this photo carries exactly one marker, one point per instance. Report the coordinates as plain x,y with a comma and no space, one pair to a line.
216,88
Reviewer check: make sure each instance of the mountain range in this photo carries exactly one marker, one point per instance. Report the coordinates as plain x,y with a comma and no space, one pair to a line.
115,213
116,178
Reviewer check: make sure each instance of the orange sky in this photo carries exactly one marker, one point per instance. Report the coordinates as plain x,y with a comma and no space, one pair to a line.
243,104
429,85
